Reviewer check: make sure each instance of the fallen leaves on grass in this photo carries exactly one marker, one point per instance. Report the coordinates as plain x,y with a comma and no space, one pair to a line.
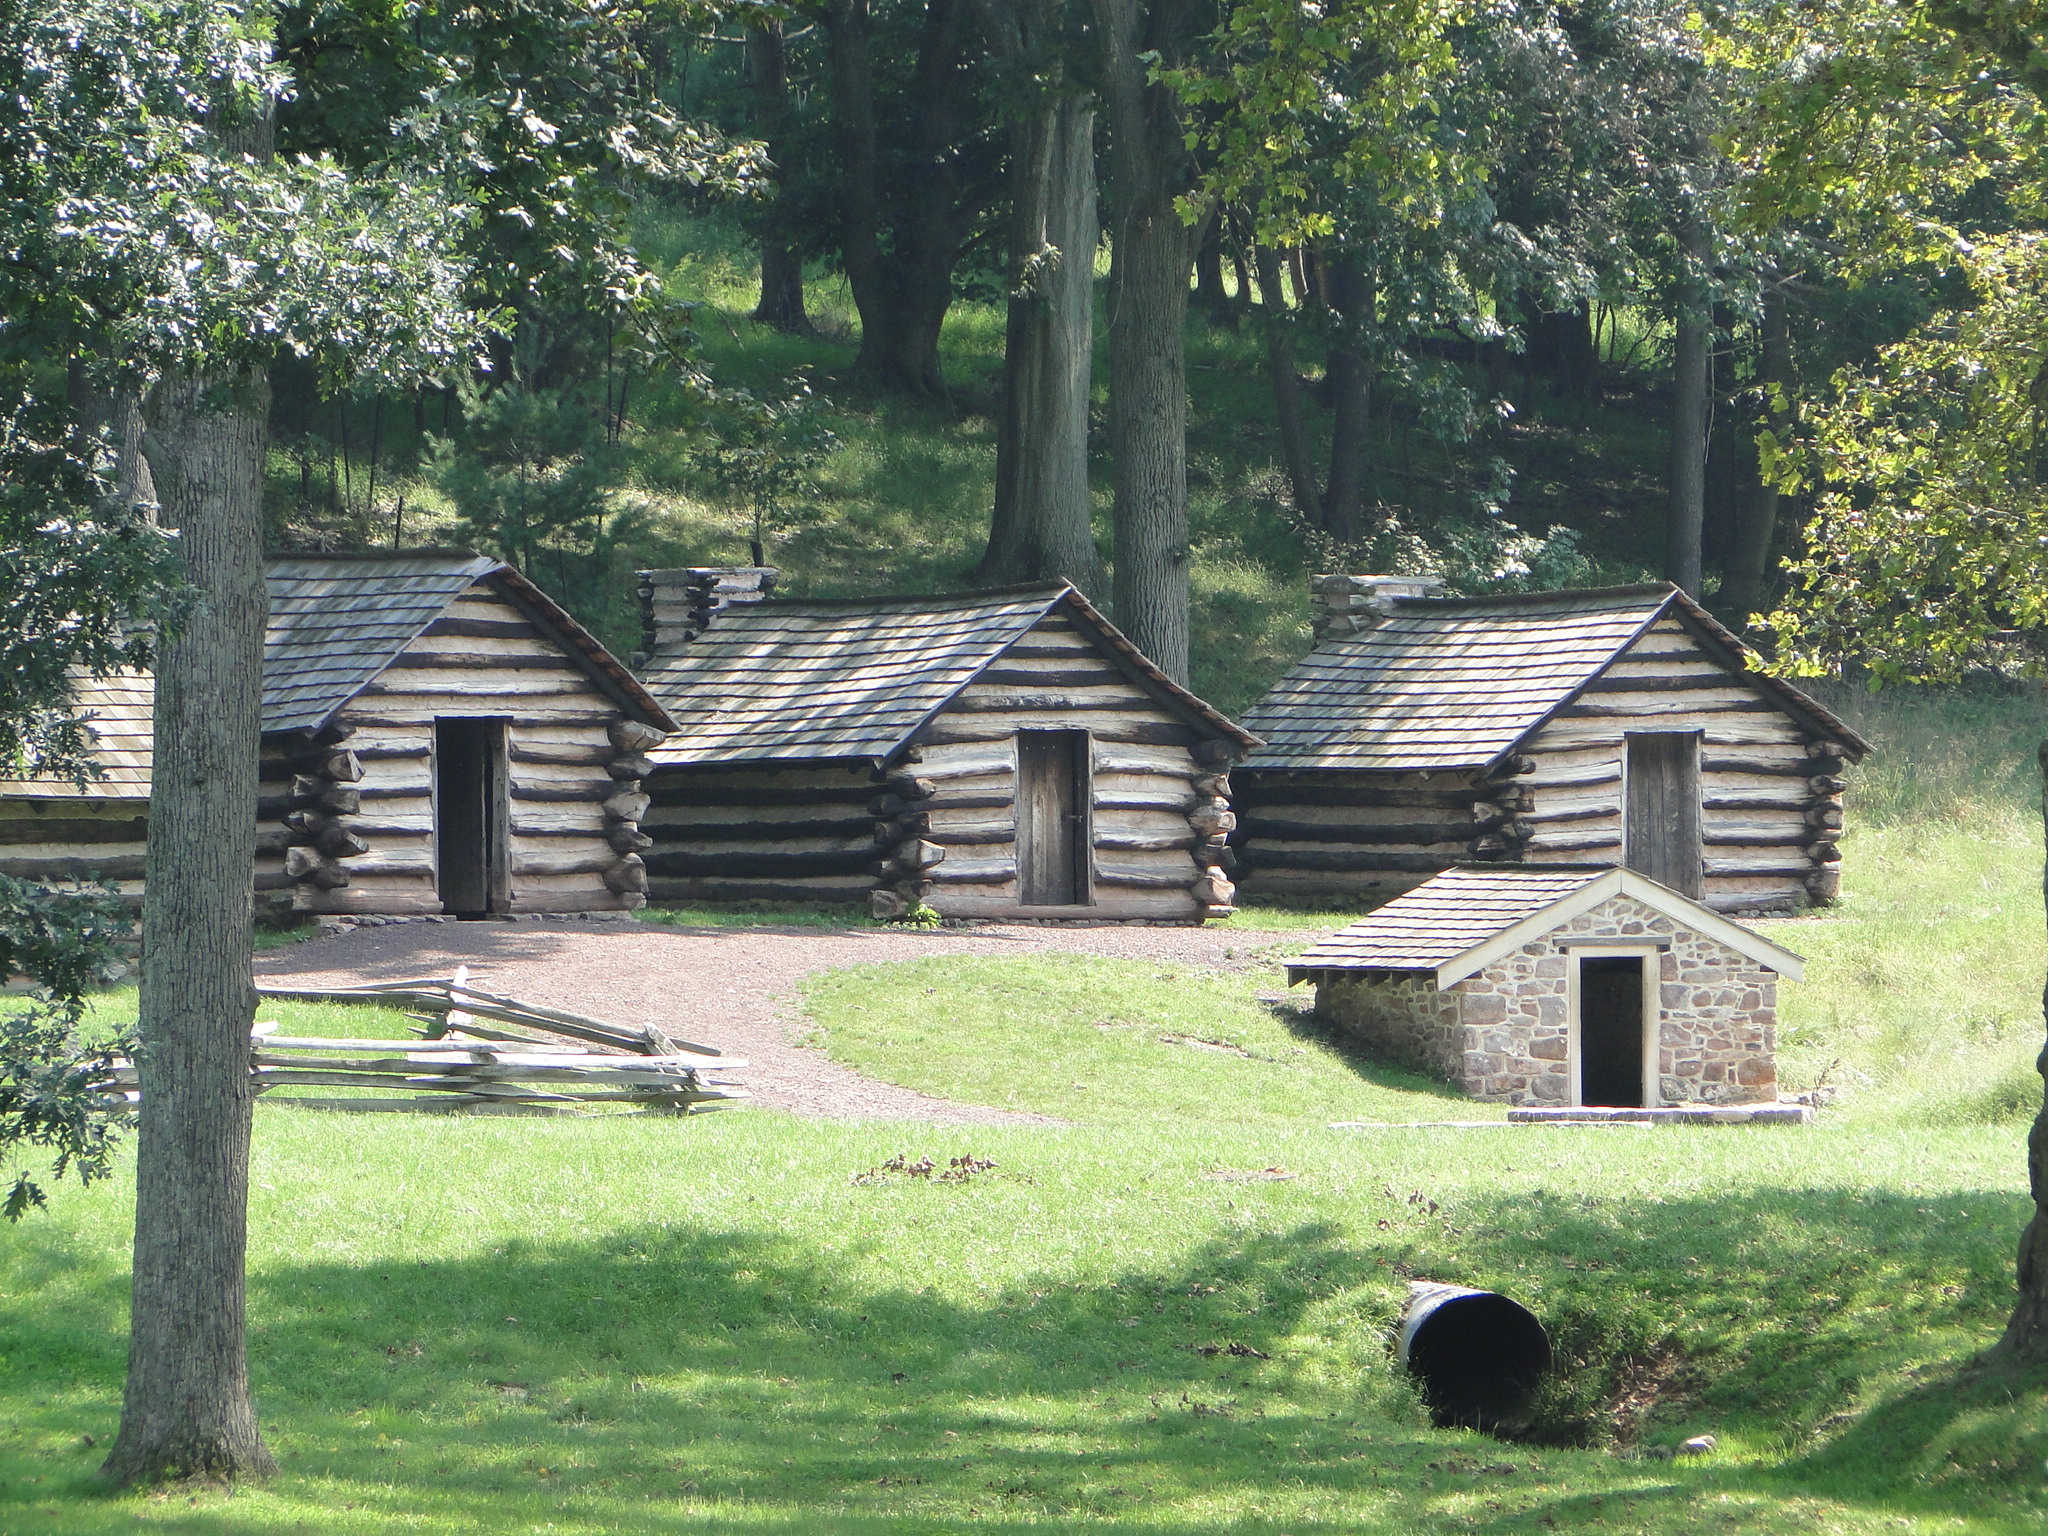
1242,1351
1269,1175
958,1170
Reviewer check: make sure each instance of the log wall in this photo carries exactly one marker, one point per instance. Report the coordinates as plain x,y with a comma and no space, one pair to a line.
1356,837
1771,811
58,837
357,799
941,827
801,833
1770,807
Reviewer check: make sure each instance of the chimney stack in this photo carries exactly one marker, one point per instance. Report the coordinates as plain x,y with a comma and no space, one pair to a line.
676,605
1351,605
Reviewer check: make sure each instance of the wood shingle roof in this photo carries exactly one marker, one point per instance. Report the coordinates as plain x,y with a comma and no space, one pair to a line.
1460,920
336,622
1458,683
788,680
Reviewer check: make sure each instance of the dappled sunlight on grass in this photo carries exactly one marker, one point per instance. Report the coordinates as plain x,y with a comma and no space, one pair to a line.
468,1326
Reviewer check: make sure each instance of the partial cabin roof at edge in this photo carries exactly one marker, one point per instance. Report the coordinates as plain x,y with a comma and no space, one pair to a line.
851,679
336,622
1459,683
1457,923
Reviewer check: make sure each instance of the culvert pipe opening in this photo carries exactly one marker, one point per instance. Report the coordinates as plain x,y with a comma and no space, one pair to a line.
1480,1358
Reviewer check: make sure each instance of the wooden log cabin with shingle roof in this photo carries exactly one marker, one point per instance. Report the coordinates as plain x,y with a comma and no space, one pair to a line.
997,754
1618,726
438,737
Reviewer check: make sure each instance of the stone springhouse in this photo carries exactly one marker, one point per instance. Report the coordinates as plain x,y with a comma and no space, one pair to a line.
1559,986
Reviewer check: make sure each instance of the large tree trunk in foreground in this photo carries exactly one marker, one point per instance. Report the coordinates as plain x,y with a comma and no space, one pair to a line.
187,1411
2026,1334
1152,250
1691,363
1041,529
782,262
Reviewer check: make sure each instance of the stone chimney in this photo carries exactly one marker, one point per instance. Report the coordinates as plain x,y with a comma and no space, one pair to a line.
1351,605
676,605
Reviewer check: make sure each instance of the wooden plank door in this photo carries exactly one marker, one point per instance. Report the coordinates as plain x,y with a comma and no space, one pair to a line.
1052,818
471,816
1661,837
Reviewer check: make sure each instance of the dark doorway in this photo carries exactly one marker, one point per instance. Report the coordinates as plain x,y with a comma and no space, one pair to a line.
1052,818
1611,1031
1662,837
469,816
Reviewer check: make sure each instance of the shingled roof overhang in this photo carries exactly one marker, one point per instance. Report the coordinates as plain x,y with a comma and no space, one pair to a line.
338,621
854,679
1461,921
1461,683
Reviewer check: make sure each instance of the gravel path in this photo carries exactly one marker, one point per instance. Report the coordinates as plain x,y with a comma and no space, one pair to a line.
732,988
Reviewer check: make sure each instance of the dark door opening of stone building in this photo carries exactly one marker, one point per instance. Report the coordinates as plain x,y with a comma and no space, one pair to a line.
1052,818
1661,834
470,816
1611,1031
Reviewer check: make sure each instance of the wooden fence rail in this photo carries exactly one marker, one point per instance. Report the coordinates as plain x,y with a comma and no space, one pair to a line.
460,1065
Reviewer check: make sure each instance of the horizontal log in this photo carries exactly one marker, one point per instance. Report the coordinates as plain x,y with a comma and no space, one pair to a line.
1256,859
70,829
715,889
1572,842
1149,842
1250,829
496,662
562,755
999,676
765,832
1141,733
1145,879
669,788
529,715
121,867
973,837
984,872
680,863
633,765
1624,711
1683,682
485,629
1255,789
1788,766
1569,813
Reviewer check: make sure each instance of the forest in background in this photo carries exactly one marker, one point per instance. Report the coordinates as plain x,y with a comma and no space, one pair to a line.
1496,389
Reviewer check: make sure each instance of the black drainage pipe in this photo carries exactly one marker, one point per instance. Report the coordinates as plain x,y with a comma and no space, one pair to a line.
1480,1357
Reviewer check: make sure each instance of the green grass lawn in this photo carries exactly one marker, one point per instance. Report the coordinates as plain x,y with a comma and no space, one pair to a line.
741,1322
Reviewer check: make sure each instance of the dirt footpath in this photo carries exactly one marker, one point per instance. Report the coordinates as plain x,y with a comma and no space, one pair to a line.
732,988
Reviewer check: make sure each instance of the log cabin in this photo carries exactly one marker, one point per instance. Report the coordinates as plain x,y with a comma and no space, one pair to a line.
439,737
1621,725
996,755
1559,985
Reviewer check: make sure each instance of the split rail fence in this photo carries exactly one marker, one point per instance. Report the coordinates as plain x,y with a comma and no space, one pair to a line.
479,1053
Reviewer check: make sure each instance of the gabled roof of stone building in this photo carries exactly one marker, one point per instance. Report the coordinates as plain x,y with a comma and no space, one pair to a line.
1464,919
336,622
1459,683
790,680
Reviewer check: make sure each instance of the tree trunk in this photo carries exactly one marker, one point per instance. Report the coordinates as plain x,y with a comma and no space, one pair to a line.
187,1411
1350,378
1211,297
1151,252
1042,529
902,295
1690,368
1287,392
1750,561
2025,1343
782,262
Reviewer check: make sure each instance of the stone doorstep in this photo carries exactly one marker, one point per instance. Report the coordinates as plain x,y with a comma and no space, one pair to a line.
1677,1114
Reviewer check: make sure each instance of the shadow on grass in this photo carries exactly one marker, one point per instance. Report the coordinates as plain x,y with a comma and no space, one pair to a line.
679,1376
1351,1053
